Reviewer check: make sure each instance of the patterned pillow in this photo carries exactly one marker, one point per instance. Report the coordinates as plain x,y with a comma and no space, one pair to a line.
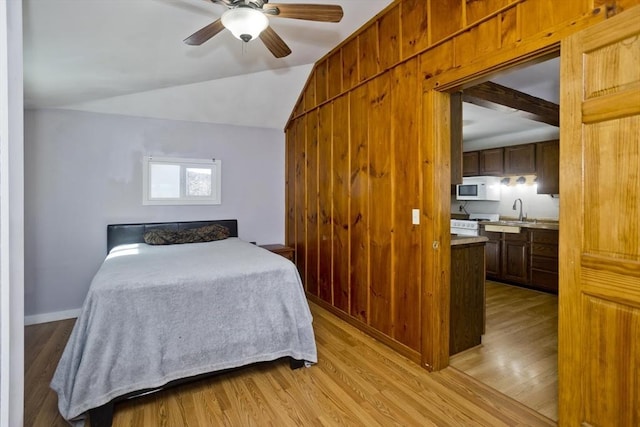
208,233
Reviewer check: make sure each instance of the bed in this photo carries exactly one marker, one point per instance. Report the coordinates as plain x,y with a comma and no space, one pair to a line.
158,315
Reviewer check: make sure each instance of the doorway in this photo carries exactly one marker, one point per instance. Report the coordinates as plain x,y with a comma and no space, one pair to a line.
518,354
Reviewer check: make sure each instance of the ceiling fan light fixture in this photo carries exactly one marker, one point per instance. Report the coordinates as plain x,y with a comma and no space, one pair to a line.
245,23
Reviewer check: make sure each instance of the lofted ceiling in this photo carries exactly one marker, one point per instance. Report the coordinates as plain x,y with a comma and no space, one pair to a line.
128,57
484,128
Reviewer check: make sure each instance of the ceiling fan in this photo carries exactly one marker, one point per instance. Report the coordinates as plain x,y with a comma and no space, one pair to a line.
247,19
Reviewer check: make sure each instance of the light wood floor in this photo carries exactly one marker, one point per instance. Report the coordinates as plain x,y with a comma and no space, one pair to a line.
357,382
519,351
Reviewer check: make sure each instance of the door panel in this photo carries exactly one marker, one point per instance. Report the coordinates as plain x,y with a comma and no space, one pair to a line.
613,177
599,350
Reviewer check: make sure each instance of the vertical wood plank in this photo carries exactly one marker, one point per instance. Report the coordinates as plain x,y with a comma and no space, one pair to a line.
478,9
406,90
325,190
436,61
389,36
368,51
456,138
381,204
312,202
301,198
435,152
415,26
359,203
322,92
290,185
341,192
310,93
478,41
350,64
509,28
299,108
334,74
446,16
543,14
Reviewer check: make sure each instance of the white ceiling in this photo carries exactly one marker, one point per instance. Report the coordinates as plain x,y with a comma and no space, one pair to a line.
127,57
484,128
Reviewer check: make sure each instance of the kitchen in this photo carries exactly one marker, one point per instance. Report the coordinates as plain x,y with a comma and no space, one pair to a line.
508,204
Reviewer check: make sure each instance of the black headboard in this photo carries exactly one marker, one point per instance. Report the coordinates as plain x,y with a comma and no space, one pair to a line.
122,234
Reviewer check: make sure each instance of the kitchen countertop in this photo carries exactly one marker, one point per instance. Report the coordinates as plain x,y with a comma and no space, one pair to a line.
467,240
525,224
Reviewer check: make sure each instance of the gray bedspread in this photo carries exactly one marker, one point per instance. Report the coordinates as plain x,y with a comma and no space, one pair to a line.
155,314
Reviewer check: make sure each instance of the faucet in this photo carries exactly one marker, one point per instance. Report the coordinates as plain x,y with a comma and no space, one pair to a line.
520,217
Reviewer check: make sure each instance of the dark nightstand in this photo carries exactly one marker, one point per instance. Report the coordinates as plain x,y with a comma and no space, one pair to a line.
283,250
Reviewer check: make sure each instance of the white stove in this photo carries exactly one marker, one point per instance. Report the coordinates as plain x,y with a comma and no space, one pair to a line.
471,226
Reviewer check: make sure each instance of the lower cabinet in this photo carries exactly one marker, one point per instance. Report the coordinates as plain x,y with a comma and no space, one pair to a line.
493,254
515,257
528,258
467,299
544,259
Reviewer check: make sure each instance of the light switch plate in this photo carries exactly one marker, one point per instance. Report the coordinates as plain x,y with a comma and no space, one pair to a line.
416,216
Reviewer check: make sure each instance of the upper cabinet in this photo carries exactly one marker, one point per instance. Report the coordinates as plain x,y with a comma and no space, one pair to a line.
548,165
520,159
491,162
541,158
470,163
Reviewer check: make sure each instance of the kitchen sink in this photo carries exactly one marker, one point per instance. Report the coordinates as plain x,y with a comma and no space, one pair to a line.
512,226
502,227
515,223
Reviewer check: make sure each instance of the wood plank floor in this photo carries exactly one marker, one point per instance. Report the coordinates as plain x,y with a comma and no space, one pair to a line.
519,351
357,382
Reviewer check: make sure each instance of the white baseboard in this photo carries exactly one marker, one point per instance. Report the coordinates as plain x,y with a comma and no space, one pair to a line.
51,317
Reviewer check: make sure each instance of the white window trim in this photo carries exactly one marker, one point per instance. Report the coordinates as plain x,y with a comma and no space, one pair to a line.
216,185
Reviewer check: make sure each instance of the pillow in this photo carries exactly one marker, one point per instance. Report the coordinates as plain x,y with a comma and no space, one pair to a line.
208,233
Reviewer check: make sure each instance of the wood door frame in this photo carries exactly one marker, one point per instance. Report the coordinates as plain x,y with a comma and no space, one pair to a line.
436,144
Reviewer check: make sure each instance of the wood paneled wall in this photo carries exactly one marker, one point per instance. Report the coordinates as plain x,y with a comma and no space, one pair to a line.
368,142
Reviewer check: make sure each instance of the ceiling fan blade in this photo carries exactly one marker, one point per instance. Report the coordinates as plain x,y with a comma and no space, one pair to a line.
274,43
309,12
224,2
204,34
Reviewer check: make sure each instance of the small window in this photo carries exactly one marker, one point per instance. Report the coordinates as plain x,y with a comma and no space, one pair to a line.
175,181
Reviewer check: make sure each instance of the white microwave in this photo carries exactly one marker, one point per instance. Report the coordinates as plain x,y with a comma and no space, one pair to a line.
479,188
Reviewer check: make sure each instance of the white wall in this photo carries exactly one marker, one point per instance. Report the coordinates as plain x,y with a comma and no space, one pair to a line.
11,216
540,206
84,171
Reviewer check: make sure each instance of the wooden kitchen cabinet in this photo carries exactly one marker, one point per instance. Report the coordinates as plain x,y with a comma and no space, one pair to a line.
467,297
520,159
491,162
470,161
528,258
507,256
541,158
493,254
548,167
515,257
544,259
